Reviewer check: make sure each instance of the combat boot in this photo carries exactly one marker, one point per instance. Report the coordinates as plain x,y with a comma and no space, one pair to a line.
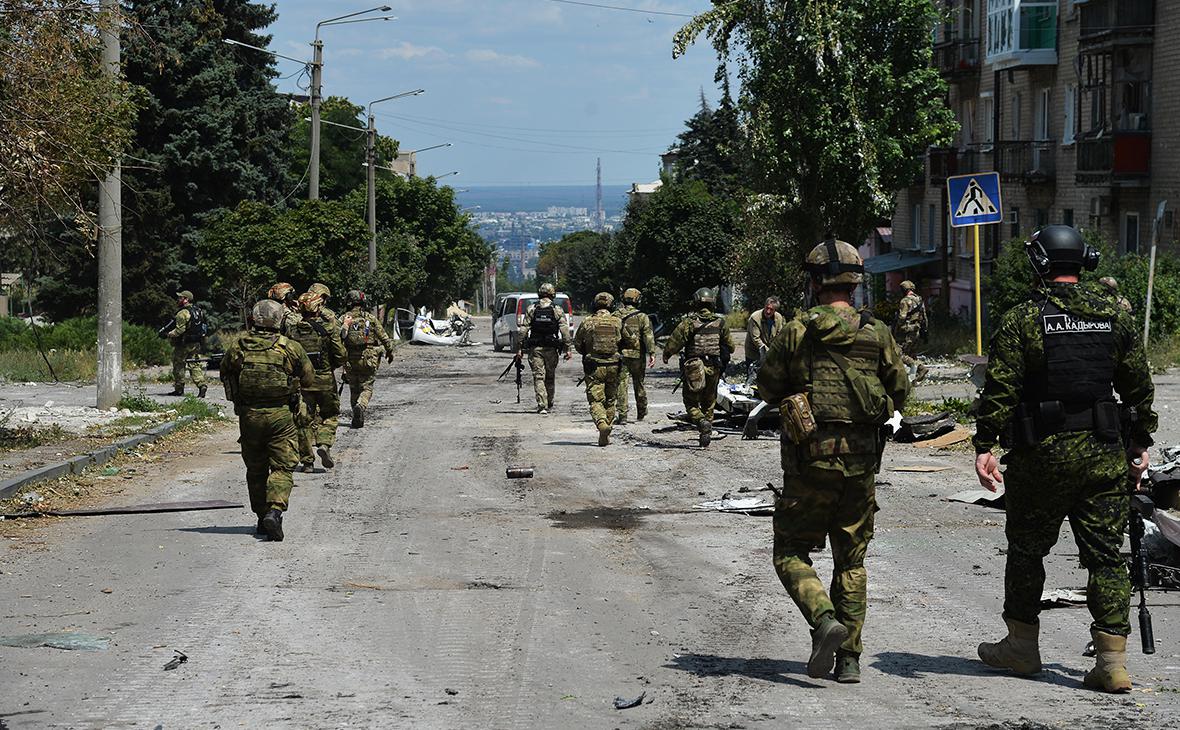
1017,651
603,433
177,390
202,390
706,433
847,668
825,640
922,371
325,453
622,419
272,525
358,417
640,414
1110,670
259,529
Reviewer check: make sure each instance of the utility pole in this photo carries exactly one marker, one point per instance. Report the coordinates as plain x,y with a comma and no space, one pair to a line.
317,75
371,184
110,241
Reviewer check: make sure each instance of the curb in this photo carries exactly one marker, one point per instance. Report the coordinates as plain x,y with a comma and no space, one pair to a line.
75,464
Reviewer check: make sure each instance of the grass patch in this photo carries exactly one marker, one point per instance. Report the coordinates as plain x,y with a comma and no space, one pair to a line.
1164,353
28,365
140,403
959,408
737,320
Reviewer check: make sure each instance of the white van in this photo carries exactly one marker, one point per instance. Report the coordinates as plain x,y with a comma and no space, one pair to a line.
509,317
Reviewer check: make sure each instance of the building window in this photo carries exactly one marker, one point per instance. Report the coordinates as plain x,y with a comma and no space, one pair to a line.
916,226
1014,219
1069,127
1131,235
931,219
1067,216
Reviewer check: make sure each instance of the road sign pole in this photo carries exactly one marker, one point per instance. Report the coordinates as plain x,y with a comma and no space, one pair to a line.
978,309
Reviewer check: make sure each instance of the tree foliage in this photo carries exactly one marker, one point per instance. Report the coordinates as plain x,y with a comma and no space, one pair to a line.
342,152
712,148
582,264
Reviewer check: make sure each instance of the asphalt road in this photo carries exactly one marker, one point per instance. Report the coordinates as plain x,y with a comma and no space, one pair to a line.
419,588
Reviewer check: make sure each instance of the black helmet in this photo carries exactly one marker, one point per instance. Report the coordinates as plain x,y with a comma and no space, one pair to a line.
1060,250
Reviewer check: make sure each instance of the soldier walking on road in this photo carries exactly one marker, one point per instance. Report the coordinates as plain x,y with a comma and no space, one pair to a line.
187,334
326,351
704,338
911,326
364,338
284,294
545,335
598,340
838,375
263,373
1054,367
639,354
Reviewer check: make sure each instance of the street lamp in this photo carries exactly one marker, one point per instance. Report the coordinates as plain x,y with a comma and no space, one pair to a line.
446,174
371,163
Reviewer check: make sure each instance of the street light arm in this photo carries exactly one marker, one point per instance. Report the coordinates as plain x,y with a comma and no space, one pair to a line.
415,92
360,20
379,8
232,42
337,124
424,149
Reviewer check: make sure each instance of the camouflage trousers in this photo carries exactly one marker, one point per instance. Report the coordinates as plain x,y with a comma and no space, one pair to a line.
181,354
324,408
821,504
543,363
269,450
1097,503
362,373
700,406
602,386
633,372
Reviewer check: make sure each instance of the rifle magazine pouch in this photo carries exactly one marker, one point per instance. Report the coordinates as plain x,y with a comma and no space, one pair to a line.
1107,422
694,374
798,420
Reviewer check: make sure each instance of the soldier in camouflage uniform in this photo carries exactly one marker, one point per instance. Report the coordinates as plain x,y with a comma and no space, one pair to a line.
1054,365
331,320
186,346
639,354
911,328
705,340
326,350
263,373
1113,284
545,335
364,338
828,475
284,294
598,340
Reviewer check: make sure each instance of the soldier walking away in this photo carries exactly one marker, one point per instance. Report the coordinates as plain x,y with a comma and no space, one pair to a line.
326,351
761,328
189,329
911,326
331,320
598,341
284,294
545,335
1113,284
1054,366
838,375
263,373
364,339
639,354
705,345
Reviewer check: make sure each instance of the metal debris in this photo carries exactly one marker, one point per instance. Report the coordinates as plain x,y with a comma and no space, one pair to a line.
134,509
622,704
176,661
68,640
981,497
519,472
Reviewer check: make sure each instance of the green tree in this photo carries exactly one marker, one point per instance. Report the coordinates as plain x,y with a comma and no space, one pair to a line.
342,152
712,148
401,270
582,264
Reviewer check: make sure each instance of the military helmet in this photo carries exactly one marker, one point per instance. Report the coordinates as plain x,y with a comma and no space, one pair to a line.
632,296
835,263
546,290
908,285
1060,250
320,289
281,292
1110,283
311,302
184,294
704,295
355,297
603,300
267,314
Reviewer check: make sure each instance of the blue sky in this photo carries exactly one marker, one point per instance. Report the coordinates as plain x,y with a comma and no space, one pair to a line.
528,91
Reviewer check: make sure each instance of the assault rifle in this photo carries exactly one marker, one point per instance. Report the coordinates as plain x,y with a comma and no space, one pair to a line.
163,331
1141,508
517,363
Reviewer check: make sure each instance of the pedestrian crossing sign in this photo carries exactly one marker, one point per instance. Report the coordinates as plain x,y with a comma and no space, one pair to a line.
975,199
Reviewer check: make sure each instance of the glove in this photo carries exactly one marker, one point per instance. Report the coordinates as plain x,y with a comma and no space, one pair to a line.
389,355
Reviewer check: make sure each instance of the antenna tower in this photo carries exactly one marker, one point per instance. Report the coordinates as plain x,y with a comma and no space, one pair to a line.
599,213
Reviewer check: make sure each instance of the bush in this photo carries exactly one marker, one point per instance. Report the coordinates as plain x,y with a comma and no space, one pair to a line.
141,345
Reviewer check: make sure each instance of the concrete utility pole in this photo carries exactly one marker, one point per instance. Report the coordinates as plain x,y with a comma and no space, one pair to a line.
371,177
110,242
317,75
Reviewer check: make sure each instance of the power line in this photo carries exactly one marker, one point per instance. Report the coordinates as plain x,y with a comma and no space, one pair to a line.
622,8
435,126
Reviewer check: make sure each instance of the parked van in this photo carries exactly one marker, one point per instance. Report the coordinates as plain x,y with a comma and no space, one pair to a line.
508,317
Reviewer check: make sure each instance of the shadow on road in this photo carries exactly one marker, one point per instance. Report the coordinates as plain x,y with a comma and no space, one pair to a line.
221,530
573,443
911,666
771,670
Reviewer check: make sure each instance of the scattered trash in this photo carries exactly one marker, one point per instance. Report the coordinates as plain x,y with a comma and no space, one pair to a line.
176,661
921,428
31,498
69,641
495,402
622,704
921,469
110,471
460,468
744,505
519,472
107,590
981,497
1063,598
950,439
133,509
451,692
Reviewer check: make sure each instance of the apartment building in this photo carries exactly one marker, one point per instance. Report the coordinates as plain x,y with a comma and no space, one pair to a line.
1061,99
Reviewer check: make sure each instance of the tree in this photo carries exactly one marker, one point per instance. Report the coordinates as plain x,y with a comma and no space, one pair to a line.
838,100
342,152
712,148
401,270
582,264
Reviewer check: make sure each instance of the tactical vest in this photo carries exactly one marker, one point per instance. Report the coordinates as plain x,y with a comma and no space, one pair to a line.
264,381
545,329
359,333
829,387
1079,359
632,322
311,335
605,333
705,340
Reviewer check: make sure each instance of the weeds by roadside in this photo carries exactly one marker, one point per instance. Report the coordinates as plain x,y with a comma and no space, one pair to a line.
27,437
959,408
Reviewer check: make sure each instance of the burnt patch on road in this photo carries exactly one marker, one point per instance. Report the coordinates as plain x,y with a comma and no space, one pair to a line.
599,518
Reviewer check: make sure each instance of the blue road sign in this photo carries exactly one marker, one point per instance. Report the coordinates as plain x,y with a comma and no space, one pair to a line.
975,199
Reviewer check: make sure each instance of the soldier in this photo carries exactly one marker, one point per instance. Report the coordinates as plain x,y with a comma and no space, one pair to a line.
1054,365
839,371
326,351
1112,283
364,339
188,330
263,373
639,354
331,321
707,345
761,328
545,335
284,294
911,328
598,340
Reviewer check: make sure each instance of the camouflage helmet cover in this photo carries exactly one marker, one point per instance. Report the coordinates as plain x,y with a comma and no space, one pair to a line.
184,294
835,263
321,289
908,285
1110,283
311,302
632,296
354,297
281,292
546,290
704,295
603,300
267,314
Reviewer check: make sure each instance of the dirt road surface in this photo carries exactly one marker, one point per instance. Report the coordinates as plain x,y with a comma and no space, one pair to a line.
419,588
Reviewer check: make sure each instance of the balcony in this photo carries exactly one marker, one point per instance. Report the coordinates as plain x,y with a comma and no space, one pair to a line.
1108,23
1030,163
1116,158
949,161
957,59
1021,33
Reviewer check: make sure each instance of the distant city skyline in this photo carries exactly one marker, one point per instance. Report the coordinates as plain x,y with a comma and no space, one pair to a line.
528,91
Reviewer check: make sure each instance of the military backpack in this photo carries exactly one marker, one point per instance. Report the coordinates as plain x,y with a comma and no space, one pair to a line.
264,378
359,334
545,329
198,326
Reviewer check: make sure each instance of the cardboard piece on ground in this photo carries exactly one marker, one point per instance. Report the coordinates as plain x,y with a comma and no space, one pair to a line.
981,497
744,505
1064,598
921,468
954,437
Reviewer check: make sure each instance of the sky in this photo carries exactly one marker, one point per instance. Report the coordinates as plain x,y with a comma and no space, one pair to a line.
529,92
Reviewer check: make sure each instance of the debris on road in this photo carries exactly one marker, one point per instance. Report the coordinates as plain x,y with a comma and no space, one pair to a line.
132,509
949,439
176,661
460,468
451,692
981,497
1063,598
922,428
68,641
756,506
622,704
921,468
519,472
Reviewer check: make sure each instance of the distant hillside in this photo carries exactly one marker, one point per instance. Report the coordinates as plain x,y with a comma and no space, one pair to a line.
538,198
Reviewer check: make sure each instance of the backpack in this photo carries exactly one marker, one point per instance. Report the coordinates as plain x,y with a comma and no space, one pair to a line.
264,377
545,329
198,326
631,336
358,334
